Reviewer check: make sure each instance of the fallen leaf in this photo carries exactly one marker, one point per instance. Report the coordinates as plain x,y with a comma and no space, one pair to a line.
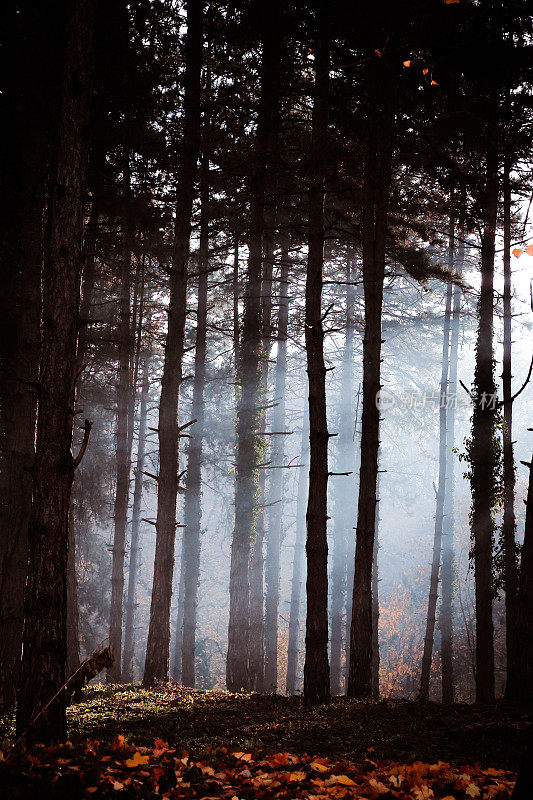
137,760
517,252
316,765
297,776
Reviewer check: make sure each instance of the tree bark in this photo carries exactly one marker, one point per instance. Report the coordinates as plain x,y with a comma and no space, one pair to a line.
298,563
448,558
45,639
343,515
482,447
512,686
441,495
28,93
157,650
375,603
275,495
193,490
316,667
525,602
249,416
377,176
123,433
135,545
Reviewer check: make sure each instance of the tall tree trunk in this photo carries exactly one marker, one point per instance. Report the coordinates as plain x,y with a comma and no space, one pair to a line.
28,81
448,566
509,522
135,545
441,494
275,496
157,651
482,450
350,564
89,244
44,639
249,415
375,603
377,170
123,434
316,667
256,645
298,563
193,494
525,601
343,511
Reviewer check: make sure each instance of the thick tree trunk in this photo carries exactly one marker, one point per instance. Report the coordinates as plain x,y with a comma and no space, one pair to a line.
275,495
316,667
512,686
249,415
45,639
343,514
193,493
298,563
427,654
135,545
448,565
28,82
157,651
123,433
376,187
482,448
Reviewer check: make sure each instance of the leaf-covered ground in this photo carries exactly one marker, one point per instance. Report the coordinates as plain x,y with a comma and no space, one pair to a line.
219,745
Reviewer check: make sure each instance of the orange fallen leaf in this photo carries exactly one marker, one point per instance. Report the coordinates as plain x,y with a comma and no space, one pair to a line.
529,250
407,63
517,252
242,756
297,776
425,71
137,760
319,767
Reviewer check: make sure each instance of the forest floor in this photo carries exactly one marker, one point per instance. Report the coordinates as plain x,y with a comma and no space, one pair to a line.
390,748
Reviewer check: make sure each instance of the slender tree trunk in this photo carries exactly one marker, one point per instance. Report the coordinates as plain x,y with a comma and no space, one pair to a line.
509,522
482,448
45,635
350,564
249,415
343,512
375,603
157,651
376,187
178,643
316,667
89,244
135,545
525,601
298,563
275,497
193,494
448,566
256,652
441,494
123,435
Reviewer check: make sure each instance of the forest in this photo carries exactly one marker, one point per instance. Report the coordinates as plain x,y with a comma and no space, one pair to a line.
266,356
